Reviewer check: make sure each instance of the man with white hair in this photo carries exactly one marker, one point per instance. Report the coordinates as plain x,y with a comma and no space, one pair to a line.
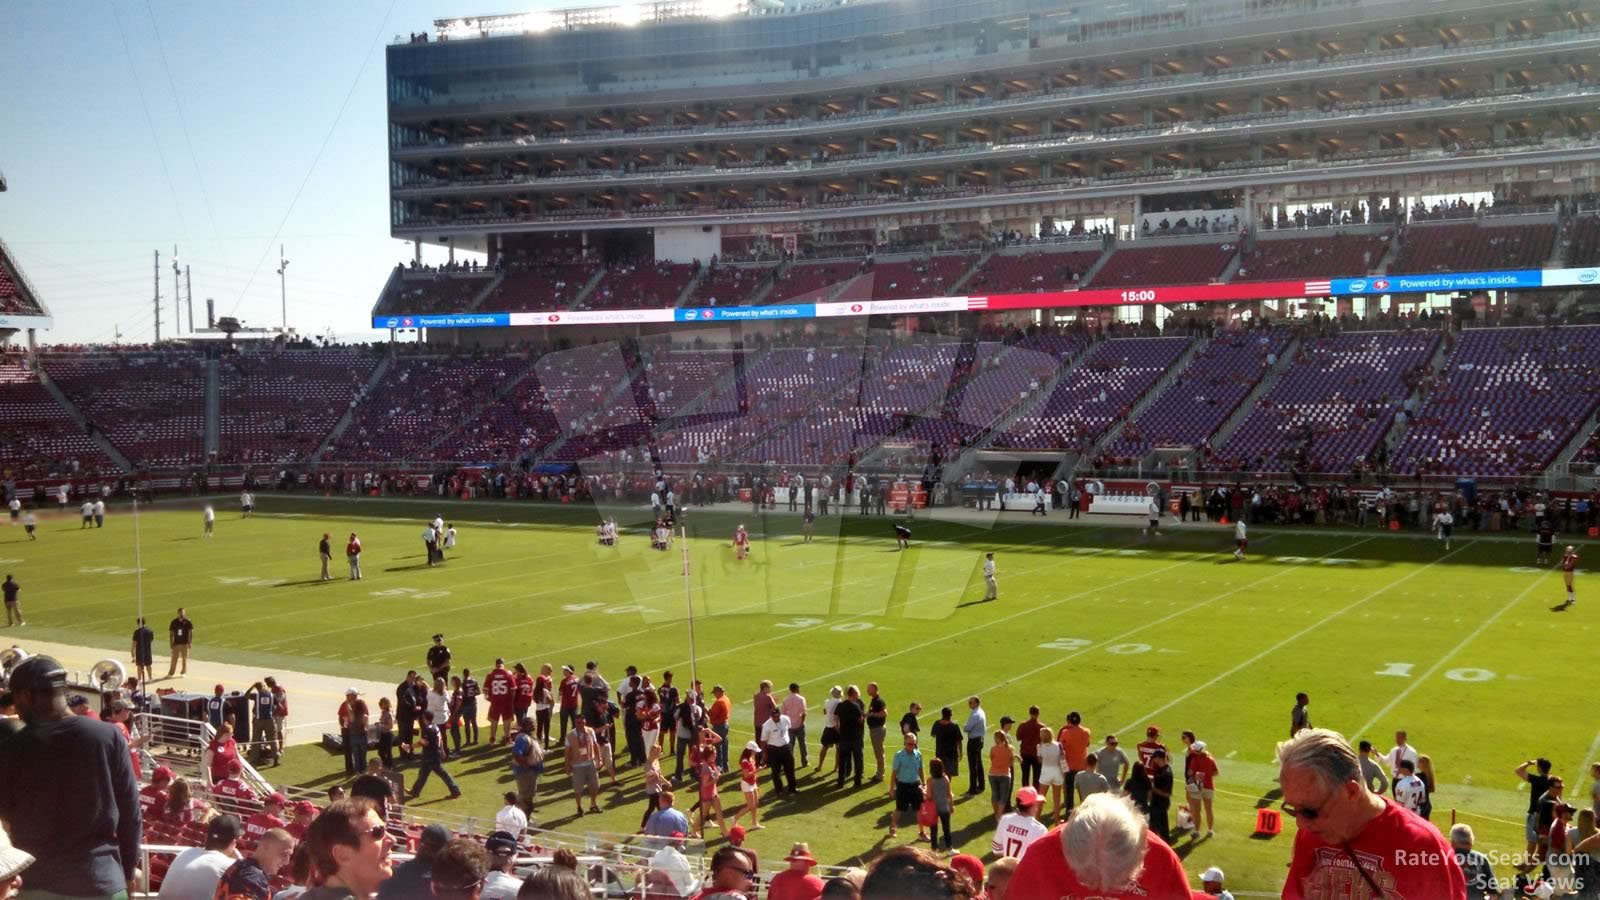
1104,850
1475,866
1351,842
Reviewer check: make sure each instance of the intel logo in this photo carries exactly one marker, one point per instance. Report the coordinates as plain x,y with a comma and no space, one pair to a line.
1358,286
688,315
393,323
1587,276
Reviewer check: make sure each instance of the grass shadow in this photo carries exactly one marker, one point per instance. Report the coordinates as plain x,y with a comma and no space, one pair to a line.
972,603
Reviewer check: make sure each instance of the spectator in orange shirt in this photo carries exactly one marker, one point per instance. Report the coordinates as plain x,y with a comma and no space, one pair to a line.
1074,740
717,714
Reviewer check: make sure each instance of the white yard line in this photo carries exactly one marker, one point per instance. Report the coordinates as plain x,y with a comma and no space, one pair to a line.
1150,716
1449,655
1278,573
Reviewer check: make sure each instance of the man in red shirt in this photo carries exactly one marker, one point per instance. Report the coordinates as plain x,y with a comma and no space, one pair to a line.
269,817
569,700
153,796
1148,746
1105,851
1028,747
796,882
233,787
500,686
1351,842
305,812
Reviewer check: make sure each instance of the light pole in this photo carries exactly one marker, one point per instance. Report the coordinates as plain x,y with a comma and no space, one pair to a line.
283,291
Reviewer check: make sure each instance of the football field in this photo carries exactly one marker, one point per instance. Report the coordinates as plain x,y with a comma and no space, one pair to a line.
1461,648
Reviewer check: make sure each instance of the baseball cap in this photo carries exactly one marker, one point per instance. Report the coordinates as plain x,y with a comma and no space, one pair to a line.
235,767
438,637
77,700
968,865
1212,875
162,773
351,692
752,745
1027,797
501,842
305,808
567,668
1007,720
12,860
218,689
736,833
275,797
434,836
121,705
38,673
1199,746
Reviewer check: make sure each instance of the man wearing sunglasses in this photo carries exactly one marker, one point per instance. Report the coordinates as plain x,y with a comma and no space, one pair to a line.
732,875
1351,842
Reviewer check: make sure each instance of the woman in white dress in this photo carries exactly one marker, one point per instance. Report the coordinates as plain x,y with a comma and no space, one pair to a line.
1050,774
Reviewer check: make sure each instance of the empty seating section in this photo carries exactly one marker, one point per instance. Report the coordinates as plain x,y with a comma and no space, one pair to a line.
151,406
1470,247
1090,398
1313,257
803,280
417,400
1133,265
674,379
932,276
538,288
1510,399
279,407
908,380
433,293
776,389
518,423
1030,272
587,391
1585,247
643,285
39,438
729,285
1332,405
1202,397
1005,377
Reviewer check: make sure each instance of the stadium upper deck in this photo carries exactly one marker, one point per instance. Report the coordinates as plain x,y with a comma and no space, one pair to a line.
884,116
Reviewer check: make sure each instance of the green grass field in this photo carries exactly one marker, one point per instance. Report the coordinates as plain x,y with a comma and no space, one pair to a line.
1461,648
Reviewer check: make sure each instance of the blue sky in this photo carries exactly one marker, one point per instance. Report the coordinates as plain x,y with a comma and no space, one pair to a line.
97,182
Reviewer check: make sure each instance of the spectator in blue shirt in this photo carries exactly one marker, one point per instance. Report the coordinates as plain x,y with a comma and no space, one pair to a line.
666,821
908,780
977,726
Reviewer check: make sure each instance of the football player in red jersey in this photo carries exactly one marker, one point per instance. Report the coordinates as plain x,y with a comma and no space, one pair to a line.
501,688
1569,565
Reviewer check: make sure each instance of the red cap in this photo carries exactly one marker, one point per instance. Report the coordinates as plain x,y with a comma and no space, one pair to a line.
276,797
234,767
305,808
736,834
969,865
162,773
219,689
